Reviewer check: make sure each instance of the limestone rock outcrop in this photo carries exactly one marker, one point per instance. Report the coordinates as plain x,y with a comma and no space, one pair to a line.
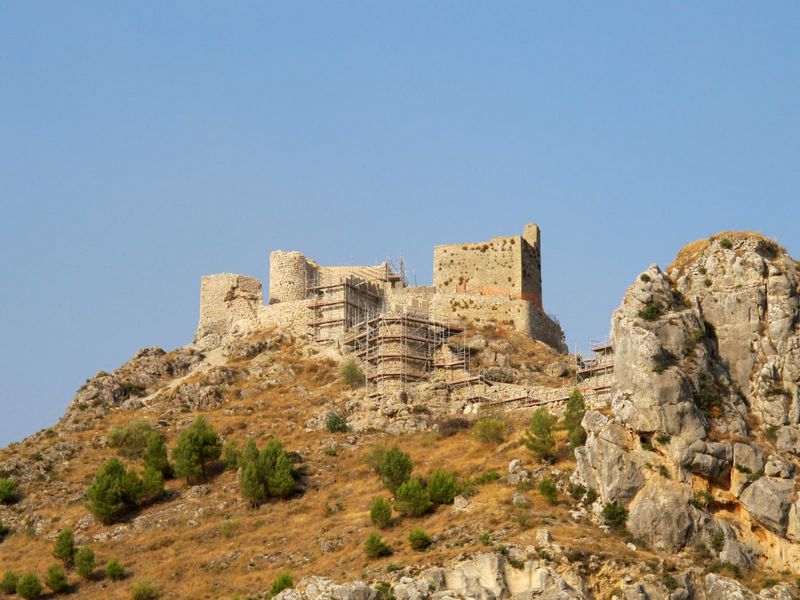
707,370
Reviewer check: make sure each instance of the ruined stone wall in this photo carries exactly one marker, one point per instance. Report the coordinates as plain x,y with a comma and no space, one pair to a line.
229,303
289,273
293,316
487,310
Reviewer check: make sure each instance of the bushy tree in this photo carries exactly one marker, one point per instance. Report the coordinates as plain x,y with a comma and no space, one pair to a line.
615,516
131,441
538,438
394,468
375,547
114,570
265,473
419,540
443,487
85,562
56,579
5,530
380,512
573,415
29,586
64,547
145,589
155,455
283,581
412,498
8,585
8,490
197,446
152,485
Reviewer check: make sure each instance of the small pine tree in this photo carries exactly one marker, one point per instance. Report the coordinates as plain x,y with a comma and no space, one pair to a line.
283,581
197,446
56,579
394,468
336,423
85,562
380,512
113,492
352,374
114,570
231,455
152,484
538,438
375,547
419,540
412,498
64,547
573,415
8,585
443,487
155,455
251,487
8,490
29,586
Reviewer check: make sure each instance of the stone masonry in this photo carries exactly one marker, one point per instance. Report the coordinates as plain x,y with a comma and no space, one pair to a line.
487,283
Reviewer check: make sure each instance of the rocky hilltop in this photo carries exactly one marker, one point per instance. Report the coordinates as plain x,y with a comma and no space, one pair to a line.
685,487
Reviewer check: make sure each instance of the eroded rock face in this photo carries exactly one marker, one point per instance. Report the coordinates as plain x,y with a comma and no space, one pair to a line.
707,363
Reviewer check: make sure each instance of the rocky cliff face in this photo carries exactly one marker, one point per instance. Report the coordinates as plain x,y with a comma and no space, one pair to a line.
702,439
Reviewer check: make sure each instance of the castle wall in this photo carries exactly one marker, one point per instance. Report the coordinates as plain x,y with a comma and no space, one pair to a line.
520,315
492,268
293,316
415,298
228,303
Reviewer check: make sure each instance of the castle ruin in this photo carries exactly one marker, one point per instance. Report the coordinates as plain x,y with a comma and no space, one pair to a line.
397,331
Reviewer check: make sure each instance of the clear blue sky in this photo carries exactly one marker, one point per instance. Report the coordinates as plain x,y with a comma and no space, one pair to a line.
145,144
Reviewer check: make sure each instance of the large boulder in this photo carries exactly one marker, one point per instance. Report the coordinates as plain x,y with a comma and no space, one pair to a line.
662,516
768,500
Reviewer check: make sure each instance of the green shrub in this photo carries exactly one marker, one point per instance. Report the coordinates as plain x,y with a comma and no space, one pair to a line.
375,547
131,441
114,570
114,491
8,585
443,487
155,455
615,516
412,498
29,586
490,430
8,491
380,512
85,562
548,490
419,540
645,277
726,243
538,438
663,359
394,467
197,446
64,547
351,373
231,455
266,473
283,581
717,540
56,579
771,432
145,589
663,439
651,311
336,423
577,492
